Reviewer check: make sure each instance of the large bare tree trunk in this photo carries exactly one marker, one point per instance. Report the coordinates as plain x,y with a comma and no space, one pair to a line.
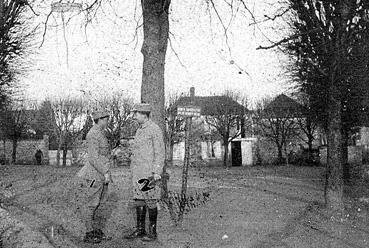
334,182
154,47
156,32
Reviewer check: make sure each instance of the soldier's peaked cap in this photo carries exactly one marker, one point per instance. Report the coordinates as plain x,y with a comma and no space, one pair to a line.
99,114
142,107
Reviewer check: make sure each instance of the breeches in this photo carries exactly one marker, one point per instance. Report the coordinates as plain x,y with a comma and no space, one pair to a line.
93,204
150,203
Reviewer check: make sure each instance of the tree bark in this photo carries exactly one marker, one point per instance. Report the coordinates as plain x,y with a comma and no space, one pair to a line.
14,152
345,163
334,182
61,141
155,15
4,147
280,153
286,152
225,157
170,152
310,137
310,145
65,153
154,47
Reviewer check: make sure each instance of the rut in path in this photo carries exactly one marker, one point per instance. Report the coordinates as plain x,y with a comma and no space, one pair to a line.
42,224
300,222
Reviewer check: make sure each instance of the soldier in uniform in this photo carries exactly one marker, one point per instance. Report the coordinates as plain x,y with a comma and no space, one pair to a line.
147,163
39,156
94,178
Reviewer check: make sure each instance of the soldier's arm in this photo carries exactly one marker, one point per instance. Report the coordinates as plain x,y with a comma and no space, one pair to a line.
159,151
100,163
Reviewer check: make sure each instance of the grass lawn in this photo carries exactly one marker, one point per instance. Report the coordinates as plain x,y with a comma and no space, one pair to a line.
249,207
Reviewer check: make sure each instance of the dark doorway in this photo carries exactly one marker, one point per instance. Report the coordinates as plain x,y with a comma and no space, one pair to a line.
236,153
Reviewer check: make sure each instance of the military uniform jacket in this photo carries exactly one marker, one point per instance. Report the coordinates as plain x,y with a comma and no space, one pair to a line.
147,158
98,155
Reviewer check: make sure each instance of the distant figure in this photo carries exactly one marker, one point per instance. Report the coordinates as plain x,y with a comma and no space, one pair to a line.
39,156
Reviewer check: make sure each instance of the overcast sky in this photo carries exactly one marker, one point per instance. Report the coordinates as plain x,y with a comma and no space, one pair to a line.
104,59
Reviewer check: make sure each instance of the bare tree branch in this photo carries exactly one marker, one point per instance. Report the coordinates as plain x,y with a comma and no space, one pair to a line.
224,27
31,8
248,10
92,5
271,18
174,51
45,28
293,37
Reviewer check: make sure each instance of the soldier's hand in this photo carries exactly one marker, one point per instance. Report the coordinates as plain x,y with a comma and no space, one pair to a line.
107,178
157,177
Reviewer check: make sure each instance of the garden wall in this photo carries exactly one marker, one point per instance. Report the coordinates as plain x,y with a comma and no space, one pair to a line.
26,150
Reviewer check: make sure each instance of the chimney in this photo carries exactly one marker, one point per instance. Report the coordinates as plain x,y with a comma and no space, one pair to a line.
192,94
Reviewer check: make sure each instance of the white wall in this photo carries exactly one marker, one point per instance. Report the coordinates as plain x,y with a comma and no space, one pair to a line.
179,150
52,157
247,147
364,136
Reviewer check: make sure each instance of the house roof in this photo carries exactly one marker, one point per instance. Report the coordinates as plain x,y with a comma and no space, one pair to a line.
283,106
213,105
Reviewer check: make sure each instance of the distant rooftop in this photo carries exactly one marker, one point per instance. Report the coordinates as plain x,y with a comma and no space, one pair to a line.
284,106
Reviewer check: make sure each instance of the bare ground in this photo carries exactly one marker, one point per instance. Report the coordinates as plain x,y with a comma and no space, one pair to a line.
256,207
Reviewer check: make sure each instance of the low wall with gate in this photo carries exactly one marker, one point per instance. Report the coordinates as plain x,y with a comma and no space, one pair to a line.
26,150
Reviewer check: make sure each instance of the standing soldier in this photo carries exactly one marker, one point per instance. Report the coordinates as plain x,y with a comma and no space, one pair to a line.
39,156
146,168
95,177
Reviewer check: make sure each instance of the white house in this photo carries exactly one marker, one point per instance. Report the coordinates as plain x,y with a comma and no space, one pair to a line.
208,144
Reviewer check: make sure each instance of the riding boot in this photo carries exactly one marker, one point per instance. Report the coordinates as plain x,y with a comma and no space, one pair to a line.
140,228
100,234
90,236
152,234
